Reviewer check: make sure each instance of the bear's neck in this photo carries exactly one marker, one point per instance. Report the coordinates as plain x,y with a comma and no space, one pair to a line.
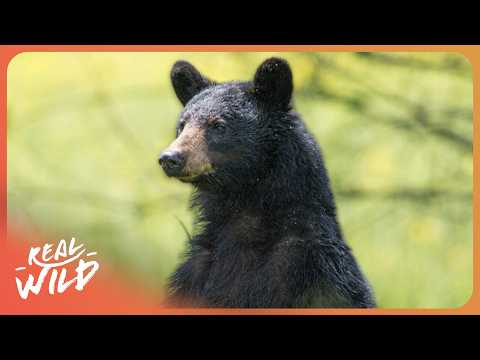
294,191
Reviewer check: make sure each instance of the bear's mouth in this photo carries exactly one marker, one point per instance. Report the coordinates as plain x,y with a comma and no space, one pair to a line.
188,179
196,176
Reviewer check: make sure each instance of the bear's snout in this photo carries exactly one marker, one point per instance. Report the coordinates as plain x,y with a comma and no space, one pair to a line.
172,162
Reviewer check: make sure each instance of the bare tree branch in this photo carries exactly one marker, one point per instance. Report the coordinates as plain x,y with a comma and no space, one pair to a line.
418,112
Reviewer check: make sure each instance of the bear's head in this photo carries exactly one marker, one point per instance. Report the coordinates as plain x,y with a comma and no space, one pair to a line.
228,133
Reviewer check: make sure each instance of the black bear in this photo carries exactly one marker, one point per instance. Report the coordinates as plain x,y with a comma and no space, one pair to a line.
266,233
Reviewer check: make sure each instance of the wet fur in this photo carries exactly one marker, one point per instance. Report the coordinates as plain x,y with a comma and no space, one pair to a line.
267,233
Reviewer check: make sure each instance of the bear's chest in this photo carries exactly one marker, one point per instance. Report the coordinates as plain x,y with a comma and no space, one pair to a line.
241,263
233,276
235,273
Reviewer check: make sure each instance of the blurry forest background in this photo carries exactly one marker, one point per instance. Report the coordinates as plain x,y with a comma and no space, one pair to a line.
85,131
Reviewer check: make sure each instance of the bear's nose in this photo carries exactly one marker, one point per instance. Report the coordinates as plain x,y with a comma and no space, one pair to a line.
172,162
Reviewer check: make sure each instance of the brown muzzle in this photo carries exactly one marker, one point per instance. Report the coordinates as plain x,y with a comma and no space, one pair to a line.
187,157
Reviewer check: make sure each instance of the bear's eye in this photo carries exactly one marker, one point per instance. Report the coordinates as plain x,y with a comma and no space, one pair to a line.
218,125
181,126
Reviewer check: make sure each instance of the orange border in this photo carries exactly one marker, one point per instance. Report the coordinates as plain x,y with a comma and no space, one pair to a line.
471,52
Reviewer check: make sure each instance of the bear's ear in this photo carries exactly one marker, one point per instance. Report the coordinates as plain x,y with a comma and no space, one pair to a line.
273,82
187,81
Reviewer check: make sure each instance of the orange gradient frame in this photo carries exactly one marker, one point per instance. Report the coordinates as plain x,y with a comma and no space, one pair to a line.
110,298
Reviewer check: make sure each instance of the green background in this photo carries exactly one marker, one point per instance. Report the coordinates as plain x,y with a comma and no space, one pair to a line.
85,131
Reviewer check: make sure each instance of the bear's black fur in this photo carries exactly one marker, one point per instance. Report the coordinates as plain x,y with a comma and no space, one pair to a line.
267,233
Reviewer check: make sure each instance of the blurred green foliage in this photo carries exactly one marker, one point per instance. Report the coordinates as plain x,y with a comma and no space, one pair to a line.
85,130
